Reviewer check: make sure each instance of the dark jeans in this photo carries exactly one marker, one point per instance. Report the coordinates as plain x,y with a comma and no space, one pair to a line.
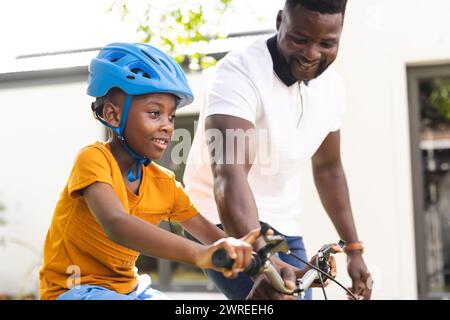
239,288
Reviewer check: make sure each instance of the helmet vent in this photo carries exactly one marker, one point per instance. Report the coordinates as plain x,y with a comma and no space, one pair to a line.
151,58
130,77
113,56
141,72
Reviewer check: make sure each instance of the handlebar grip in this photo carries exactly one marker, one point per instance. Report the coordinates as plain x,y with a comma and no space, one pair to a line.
221,259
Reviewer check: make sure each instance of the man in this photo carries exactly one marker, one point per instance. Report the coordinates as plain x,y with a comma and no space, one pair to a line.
272,106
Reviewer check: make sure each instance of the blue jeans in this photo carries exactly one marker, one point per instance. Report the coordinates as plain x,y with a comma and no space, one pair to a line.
239,288
88,292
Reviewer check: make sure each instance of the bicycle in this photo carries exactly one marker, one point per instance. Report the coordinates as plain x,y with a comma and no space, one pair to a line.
260,263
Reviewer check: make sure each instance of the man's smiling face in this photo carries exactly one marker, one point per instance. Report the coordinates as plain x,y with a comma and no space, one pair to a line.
308,40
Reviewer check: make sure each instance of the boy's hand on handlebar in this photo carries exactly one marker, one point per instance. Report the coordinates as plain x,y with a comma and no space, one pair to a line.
240,250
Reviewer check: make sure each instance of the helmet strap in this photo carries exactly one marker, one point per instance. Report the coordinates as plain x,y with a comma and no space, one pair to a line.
120,132
139,160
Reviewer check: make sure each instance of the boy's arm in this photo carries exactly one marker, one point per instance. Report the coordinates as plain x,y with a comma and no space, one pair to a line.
203,230
141,236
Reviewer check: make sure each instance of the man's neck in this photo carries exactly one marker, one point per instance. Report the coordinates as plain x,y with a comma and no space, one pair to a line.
280,65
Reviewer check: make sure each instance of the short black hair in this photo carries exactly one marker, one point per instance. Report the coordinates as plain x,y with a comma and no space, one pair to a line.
322,6
97,105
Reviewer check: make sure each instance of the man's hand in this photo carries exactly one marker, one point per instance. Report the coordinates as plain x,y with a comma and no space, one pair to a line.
361,278
263,290
331,263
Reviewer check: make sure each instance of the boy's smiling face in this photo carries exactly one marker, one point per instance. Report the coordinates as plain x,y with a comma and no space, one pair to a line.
150,124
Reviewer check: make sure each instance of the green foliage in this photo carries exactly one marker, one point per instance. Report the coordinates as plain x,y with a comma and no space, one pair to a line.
440,97
176,29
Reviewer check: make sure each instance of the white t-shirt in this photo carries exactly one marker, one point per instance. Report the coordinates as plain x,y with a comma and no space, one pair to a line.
291,123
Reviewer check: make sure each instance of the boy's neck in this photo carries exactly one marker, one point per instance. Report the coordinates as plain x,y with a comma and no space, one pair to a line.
124,160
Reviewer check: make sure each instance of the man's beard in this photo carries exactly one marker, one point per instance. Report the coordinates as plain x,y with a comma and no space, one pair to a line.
323,66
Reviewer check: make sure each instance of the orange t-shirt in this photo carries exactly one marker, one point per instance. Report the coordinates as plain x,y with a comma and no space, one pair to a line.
77,245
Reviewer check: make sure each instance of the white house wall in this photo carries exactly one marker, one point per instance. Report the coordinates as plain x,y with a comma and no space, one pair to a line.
44,124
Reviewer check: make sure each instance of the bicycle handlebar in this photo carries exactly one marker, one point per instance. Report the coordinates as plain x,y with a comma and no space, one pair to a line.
260,263
221,259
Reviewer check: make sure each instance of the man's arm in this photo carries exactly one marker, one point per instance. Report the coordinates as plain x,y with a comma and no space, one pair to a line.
331,185
234,197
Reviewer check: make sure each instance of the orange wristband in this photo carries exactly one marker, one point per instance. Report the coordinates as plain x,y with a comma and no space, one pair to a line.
352,246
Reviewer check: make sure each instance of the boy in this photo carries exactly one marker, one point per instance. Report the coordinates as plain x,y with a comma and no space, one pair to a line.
115,195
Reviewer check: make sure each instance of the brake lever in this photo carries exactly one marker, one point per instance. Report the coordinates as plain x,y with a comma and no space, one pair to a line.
323,255
325,252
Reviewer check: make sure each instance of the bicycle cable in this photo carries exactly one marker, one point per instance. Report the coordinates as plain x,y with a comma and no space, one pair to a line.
324,273
321,282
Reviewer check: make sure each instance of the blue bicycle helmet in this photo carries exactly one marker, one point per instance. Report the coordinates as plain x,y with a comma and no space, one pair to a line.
136,69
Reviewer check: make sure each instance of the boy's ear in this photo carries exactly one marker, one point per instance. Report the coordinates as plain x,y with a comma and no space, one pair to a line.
111,114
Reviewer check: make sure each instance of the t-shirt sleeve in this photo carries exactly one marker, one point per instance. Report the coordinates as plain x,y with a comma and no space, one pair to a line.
231,92
339,96
91,165
183,208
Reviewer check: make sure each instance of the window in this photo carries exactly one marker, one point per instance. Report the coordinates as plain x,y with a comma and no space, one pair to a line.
429,99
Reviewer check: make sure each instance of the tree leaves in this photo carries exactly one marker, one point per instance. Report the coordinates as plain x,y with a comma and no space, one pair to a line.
440,97
180,31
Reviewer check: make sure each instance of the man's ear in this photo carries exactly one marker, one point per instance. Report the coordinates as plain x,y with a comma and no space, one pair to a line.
279,18
111,114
